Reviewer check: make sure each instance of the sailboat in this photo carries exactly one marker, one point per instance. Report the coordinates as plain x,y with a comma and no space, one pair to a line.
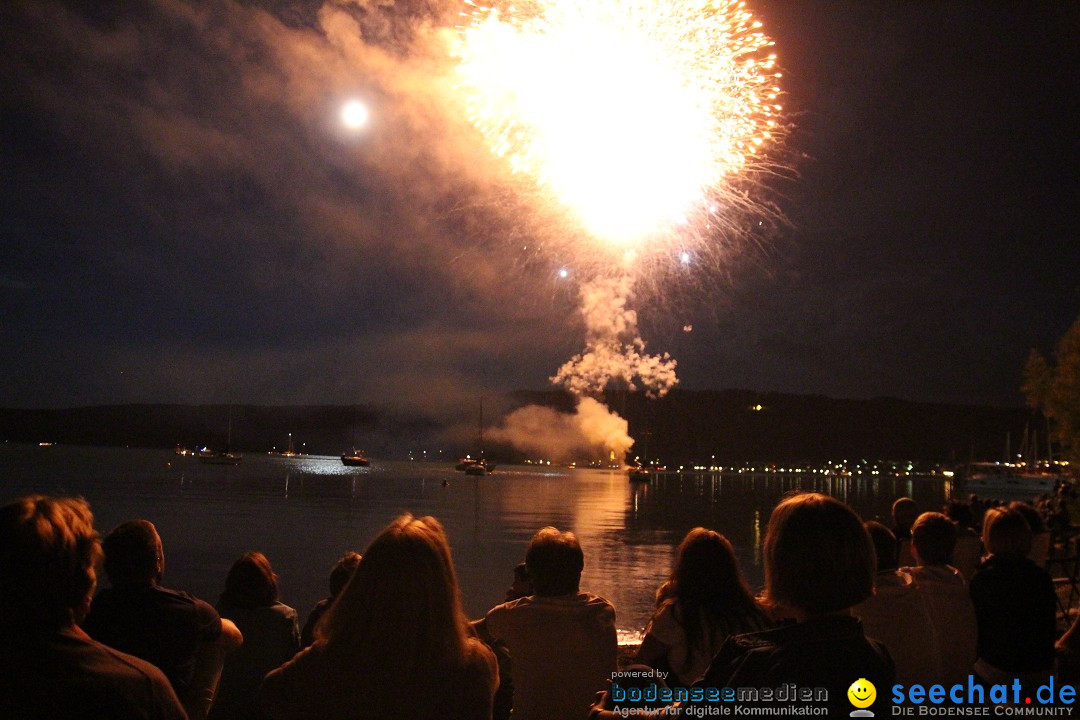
1010,480
219,457
476,466
290,453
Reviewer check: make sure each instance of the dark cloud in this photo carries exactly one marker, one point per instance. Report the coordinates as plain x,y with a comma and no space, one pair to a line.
184,219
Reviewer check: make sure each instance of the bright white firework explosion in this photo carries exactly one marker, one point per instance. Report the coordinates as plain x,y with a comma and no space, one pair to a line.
635,116
636,121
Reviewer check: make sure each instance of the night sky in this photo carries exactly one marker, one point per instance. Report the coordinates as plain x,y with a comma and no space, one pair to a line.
184,219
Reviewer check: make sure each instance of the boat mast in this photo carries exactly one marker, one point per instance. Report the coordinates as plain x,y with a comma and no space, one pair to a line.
480,434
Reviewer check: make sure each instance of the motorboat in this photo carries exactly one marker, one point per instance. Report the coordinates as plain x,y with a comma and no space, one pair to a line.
355,459
219,457
472,466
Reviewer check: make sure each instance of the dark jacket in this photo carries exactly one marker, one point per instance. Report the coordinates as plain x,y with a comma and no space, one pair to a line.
827,653
1015,609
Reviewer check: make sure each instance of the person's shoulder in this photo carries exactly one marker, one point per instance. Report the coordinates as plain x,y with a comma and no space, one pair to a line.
266,614
594,605
511,606
747,656
936,577
667,617
594,600
111,663
180,600
310,661
284,611
305,669
479,656
94,673
761,640
185,607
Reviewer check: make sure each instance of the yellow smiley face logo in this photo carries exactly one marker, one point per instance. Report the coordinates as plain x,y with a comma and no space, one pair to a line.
862,693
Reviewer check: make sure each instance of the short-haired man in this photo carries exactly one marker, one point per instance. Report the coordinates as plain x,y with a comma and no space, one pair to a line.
340,575
904,512
562,642
923,613
182,635
49,668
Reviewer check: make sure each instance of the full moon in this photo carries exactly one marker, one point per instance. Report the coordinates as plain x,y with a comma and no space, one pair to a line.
354,114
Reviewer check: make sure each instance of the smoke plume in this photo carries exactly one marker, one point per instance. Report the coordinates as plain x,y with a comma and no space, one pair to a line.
590,431
613,349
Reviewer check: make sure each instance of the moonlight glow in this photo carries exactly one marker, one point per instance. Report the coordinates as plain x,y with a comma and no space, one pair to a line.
632,114
354,115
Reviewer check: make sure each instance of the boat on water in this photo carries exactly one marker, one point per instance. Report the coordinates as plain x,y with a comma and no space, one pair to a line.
289,453
219,457
474,466
1006,481
355,459
183,451
642,473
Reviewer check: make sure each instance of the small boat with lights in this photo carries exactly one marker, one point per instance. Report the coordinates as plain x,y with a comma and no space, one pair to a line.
289,453
474,466
355,458
219,457
643,473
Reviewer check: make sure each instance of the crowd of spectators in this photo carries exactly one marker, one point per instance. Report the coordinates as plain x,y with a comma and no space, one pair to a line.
953,597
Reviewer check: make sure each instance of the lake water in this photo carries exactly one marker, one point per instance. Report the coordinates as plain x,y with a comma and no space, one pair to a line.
303,513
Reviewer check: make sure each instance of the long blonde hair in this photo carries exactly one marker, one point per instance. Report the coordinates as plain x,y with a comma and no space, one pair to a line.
401,610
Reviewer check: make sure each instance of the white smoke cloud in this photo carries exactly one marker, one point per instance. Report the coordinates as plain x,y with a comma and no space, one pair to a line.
613,348
589,431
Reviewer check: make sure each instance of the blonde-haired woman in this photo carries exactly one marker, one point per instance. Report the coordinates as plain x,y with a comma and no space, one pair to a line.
395,643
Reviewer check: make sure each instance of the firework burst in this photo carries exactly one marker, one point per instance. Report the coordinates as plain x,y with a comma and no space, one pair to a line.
635,120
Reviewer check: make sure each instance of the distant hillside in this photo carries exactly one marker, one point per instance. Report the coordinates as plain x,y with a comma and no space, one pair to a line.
794,427
321,429
683,428
727,426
